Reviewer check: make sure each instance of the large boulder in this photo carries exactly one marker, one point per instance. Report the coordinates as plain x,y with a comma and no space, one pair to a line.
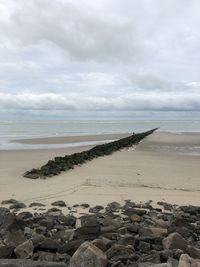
174,241
14,239
89,230
88,255
186,261
24,250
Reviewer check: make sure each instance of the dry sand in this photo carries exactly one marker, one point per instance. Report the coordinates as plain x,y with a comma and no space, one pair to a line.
139,174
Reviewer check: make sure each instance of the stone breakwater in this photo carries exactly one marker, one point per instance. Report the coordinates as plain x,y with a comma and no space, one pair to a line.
132,235
59,164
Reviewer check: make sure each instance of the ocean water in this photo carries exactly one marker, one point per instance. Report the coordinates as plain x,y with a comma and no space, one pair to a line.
15,130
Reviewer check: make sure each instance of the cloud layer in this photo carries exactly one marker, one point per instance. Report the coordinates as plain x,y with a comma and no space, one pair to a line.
99,55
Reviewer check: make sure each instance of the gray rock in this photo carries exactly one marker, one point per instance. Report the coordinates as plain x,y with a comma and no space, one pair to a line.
186,261
174,241
6,219
24,250
9,201
24,215
36,204
18,205
37,239
5,251
88,255
113,207
59,203
118,252
49,256
99,244
70,247
96,209
90,228
29,263
193,252
49,244
153,232
14,239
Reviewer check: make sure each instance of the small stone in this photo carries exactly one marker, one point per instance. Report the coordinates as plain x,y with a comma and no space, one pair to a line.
18,205
59,203
135,218
36,204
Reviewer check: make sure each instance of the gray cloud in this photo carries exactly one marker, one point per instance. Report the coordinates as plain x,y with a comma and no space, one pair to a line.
135,101
99,55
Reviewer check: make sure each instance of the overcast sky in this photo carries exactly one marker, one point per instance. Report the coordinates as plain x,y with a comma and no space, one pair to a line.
99,58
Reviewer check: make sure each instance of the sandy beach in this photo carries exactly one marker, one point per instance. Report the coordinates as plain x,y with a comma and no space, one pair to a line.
145,172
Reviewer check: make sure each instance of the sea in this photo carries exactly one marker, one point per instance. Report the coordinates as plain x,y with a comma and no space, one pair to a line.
16,130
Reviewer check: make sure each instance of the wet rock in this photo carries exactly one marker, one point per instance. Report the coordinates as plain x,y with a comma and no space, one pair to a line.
24,215
18,205
88,255
113,207
96,209
36,204
132,211
9,201
32,174
68,220
24,250
59,203
175,241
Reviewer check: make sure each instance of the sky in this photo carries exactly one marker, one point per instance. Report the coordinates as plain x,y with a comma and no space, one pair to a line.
99,59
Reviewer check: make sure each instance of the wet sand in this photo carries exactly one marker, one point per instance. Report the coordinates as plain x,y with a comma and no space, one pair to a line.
141,173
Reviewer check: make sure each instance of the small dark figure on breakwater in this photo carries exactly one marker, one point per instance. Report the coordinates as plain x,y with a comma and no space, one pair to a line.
59,164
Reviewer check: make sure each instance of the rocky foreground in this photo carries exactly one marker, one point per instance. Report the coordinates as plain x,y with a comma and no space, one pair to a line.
133,235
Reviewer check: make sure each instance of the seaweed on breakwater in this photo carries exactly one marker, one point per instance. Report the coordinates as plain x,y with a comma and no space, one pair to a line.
59,164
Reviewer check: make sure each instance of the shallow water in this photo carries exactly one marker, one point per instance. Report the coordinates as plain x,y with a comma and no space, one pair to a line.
14,130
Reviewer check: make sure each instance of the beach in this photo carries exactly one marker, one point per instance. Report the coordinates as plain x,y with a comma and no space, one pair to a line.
152,170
